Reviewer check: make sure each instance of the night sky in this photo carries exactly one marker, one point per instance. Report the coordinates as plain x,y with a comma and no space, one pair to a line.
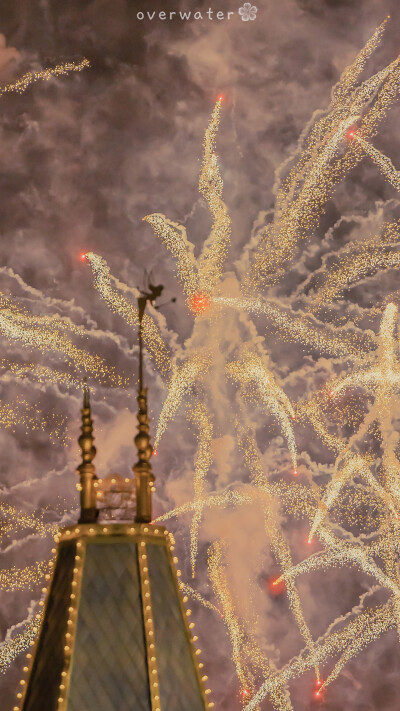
83,158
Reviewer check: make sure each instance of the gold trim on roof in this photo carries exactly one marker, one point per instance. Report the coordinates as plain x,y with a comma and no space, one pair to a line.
151,647
189,626
31,654
69,640
143,535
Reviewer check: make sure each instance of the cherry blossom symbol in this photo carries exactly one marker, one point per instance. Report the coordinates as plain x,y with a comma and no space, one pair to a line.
248,12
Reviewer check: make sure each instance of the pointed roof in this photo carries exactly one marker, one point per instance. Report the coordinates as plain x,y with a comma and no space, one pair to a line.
115,634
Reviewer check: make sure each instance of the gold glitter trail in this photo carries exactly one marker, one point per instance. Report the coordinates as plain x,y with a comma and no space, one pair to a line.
292,328
200,276
14,520
27,578
383,162
187,590
48,333
199,417
350,75
151,335
264,496
341,553
303,194
44,374
214,250
259,385
21,413
349,466
11,648
29,78
244,647
222,593
175,238
357,261
182,380
382,380
361,631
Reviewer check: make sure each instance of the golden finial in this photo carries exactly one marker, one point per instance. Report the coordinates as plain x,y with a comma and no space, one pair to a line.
142,468
86,470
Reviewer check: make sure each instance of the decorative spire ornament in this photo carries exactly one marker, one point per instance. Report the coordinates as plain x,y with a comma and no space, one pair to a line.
142,469
86,470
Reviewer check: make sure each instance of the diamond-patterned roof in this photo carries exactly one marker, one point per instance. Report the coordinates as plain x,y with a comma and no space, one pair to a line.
42,692
109,668
179,689
114,636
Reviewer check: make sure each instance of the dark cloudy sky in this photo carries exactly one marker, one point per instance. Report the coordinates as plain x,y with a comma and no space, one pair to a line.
82,159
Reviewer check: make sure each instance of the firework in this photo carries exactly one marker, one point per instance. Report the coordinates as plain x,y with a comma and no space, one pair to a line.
382,161
21,85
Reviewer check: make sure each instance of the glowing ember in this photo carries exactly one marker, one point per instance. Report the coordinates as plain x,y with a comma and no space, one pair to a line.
199,303
83,256
351,133
276,587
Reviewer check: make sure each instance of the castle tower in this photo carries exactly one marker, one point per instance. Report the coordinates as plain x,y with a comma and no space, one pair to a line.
115,634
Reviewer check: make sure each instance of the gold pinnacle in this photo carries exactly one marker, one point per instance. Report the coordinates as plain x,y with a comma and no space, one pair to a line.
86,470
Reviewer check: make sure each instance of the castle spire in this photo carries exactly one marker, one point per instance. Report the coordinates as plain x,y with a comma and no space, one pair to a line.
86,470
142,468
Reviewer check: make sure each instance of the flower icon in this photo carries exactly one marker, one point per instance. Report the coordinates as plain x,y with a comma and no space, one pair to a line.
248,12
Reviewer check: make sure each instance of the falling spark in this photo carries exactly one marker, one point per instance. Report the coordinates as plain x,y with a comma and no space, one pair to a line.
382,161
29,78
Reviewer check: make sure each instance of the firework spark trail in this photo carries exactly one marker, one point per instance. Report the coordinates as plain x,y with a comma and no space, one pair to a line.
366,633
250,371
44,374
214,250
13,520
350,75
307,330
296,499
243,647
279,545
27,578
48,333
182,380
364,629
21,413
199,417
381,380
357,261
346,468
129,312
222,593
201,275
188,590
340,93
12,647
383,162
20,85
337,552
300,200
175,238
341,553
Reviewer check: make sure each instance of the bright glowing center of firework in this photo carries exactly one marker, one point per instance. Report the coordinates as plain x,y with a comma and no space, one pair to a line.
199,303
276,586
83,256
351,133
